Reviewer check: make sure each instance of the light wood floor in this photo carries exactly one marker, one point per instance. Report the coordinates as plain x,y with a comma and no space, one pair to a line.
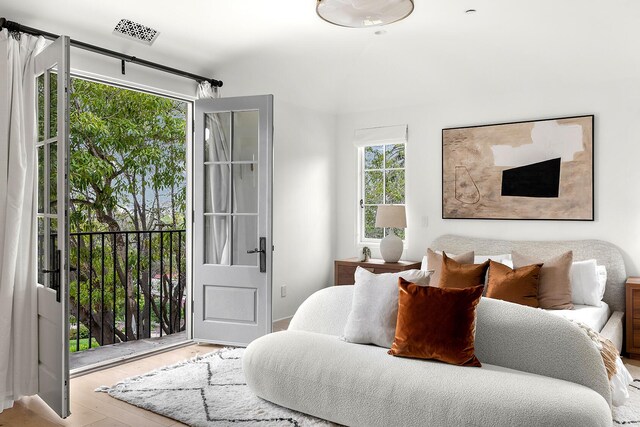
89,408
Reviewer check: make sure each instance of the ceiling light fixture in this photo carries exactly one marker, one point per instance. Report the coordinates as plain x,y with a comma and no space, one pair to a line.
363,13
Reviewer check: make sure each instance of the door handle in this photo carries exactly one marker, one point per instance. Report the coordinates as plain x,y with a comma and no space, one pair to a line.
263,254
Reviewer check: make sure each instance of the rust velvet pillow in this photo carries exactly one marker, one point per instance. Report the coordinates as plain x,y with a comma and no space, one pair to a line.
437,323
519,286
457,275
434,262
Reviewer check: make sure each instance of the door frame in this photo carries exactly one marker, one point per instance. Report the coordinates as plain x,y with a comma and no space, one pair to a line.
189,100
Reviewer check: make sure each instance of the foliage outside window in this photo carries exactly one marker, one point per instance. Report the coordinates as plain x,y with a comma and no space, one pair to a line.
382,174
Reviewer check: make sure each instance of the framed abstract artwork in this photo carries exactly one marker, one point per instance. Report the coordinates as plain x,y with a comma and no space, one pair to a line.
536,170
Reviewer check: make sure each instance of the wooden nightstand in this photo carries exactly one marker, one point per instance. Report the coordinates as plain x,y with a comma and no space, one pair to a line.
633,317
345,268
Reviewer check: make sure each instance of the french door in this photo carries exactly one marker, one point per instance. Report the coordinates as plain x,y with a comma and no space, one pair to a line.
232,254
52,145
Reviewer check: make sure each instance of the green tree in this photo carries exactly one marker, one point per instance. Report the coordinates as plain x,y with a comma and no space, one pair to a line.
127,172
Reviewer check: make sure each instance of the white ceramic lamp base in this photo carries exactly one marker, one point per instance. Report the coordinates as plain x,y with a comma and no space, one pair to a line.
391,248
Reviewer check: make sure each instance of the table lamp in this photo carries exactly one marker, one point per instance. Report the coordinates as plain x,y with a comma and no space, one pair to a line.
391,216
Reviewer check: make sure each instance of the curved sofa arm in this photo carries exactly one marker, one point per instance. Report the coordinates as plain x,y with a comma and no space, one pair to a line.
508,335
324,312
532,340
614,328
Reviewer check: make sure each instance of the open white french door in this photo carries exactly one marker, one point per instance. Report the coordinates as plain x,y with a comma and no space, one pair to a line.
52,145
232,254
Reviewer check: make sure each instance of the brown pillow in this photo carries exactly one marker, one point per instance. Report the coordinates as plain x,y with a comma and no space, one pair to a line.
457,275
554,290
519,286
437,323
434,262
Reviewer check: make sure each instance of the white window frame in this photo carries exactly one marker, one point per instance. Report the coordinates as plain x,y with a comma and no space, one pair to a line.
361,239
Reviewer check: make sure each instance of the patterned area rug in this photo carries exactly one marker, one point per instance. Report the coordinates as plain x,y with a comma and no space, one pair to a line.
629,413
208,390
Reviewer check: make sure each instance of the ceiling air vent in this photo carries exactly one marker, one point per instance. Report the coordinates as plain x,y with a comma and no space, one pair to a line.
135,31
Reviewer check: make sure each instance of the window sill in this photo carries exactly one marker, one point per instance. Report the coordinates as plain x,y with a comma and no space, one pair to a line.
376,244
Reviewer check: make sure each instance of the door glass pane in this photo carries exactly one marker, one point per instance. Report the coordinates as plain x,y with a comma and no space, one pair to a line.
216,187
53,179
53,242
245,135
41,178
53,105
40,89
216,239
41,250
245,237
394,185
245,188
373,187
216,137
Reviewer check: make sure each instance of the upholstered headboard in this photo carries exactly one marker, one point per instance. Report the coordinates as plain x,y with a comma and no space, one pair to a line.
605,253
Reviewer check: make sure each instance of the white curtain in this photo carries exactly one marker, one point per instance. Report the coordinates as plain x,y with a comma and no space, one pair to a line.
216,179
18,234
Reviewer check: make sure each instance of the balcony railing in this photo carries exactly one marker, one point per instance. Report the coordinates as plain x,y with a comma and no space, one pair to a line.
126,286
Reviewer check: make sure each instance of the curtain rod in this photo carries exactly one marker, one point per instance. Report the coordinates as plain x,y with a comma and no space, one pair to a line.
14,26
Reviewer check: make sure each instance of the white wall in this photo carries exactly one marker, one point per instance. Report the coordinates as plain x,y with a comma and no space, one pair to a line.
303,204
617,207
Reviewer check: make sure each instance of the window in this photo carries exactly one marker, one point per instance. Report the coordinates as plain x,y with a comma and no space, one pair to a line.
382,181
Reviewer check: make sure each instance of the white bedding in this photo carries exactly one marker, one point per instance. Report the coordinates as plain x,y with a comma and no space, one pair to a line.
595,317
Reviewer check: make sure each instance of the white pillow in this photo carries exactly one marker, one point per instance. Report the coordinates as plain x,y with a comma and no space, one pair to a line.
585,286
478,259
374,310
502,259
425,261
601,270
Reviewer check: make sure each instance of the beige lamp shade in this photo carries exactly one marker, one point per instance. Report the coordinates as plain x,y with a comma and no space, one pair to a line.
392,216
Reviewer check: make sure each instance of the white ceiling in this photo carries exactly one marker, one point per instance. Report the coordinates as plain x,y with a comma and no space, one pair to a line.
504,44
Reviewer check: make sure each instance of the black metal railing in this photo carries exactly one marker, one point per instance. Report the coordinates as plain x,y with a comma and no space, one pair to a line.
126,285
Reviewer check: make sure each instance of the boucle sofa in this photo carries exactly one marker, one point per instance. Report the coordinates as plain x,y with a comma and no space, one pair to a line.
537,369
